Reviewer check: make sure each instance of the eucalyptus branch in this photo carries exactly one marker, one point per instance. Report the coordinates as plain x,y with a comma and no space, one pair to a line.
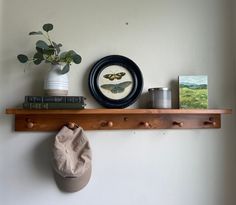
50,52
48,37
31,60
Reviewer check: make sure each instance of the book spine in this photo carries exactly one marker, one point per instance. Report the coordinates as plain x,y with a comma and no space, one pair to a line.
46,106
54,99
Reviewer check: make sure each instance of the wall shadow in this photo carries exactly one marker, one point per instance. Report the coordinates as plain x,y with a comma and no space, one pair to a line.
85,84
174,85
42,156
144,101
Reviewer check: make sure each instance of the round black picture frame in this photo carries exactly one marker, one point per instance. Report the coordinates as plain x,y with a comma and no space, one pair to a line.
115,85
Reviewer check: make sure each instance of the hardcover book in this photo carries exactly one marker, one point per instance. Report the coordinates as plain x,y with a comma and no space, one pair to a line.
55,99
193,92
28,105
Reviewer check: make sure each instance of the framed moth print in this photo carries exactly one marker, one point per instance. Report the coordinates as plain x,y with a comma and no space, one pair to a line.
115,81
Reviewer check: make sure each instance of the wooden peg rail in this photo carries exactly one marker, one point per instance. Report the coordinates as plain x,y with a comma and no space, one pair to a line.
114,119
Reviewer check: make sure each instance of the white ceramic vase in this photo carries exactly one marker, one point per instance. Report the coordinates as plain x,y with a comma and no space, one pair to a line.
56,84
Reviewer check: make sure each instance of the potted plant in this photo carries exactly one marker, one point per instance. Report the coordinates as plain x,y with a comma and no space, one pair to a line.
56,82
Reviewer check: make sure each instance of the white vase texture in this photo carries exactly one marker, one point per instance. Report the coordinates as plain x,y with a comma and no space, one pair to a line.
56,84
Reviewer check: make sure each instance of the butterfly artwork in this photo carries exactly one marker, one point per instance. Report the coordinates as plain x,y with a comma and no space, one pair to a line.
116,88
114,76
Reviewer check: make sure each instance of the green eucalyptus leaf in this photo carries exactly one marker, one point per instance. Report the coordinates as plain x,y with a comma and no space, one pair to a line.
70,53
77,58
63,54
47,27
65,69
22,58
37,61
69,56
36,33
66,57
42,44
39,50
38,58
49,51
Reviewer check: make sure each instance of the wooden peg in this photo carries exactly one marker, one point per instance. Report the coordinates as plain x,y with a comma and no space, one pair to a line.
180,124
30,124
107,124
213,123
72,125
145,124
110,124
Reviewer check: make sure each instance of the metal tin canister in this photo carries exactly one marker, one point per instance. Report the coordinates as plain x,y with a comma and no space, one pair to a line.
160,97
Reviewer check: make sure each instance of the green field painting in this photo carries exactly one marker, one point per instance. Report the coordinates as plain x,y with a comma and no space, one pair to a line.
193,92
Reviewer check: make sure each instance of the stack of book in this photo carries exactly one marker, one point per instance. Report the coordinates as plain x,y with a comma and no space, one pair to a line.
54,102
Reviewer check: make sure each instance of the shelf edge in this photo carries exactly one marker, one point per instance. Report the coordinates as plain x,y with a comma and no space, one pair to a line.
19,111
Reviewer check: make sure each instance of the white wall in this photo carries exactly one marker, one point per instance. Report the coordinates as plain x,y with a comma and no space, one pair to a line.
166,38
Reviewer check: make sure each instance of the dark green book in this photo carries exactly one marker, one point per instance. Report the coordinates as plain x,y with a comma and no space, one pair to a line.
54,99
46,106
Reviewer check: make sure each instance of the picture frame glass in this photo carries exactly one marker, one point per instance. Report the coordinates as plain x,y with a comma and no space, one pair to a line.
115,82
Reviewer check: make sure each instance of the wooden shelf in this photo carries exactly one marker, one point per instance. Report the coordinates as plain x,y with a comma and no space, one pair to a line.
114,119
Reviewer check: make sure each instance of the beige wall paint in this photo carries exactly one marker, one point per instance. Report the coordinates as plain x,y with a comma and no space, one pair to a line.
234,33
166,38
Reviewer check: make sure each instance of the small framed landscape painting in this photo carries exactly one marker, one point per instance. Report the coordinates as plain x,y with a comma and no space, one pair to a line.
193,92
